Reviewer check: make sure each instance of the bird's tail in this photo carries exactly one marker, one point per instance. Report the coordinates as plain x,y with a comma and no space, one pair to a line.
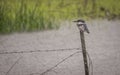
86,29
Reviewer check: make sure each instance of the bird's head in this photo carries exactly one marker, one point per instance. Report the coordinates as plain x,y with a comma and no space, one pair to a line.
81,25
80,20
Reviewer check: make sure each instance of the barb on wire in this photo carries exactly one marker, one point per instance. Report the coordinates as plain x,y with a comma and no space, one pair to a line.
57,63
49,50
13,65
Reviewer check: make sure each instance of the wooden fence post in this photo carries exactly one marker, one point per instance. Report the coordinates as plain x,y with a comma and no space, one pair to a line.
84,53
83,28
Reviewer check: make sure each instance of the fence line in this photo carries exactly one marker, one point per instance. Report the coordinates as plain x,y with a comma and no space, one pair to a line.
13,66
43,73
35,51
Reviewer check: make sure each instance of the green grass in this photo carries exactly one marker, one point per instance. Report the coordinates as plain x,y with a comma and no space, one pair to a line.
35,15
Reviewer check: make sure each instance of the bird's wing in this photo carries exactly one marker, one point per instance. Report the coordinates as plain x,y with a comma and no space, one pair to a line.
86,28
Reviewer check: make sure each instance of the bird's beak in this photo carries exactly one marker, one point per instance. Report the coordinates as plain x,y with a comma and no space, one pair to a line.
74,21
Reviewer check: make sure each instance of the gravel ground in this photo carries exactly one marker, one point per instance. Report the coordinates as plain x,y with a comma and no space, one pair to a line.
103,46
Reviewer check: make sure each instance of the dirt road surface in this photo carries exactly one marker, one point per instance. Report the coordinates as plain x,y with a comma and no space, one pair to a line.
103,46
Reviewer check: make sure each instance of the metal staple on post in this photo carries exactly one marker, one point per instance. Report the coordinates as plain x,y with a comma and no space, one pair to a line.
82,27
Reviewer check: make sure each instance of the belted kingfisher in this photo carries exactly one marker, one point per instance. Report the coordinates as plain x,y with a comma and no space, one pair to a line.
82,26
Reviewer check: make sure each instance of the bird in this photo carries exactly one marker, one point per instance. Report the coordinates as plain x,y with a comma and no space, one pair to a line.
82,25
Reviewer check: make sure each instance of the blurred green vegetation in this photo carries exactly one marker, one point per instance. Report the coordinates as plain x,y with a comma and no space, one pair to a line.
34,15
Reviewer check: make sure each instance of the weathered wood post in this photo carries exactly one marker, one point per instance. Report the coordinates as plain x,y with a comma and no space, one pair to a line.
82,27
84,53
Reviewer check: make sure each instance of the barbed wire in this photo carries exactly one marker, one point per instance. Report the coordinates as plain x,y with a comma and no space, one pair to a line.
13,65
43,73
42,50
90,64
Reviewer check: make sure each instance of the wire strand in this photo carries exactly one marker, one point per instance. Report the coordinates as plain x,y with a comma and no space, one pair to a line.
13,65
57,64
90,64
47,50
